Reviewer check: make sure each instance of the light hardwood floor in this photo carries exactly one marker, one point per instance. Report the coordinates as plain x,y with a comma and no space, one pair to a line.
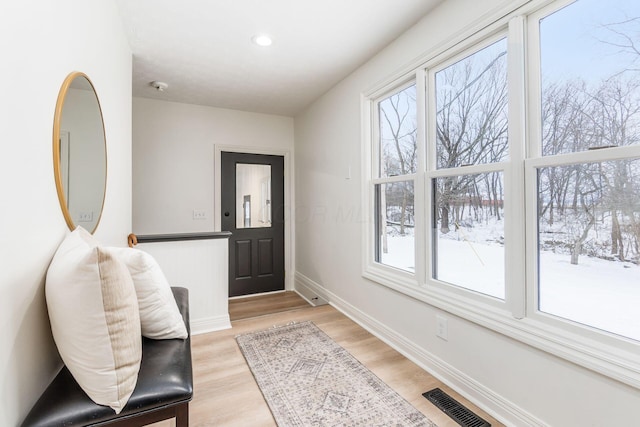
243,308
225,393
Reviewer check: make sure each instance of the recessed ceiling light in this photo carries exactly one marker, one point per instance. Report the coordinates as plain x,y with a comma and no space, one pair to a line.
262,40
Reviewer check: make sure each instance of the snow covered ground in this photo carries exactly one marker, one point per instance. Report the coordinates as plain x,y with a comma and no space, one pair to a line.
599,293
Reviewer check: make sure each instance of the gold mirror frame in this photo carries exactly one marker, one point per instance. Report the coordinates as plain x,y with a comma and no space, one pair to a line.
57,168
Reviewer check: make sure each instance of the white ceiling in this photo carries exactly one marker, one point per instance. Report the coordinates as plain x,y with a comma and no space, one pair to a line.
202,48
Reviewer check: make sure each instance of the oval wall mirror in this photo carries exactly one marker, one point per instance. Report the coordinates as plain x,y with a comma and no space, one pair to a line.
79,153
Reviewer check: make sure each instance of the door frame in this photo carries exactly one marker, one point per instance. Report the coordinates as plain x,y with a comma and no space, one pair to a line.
289,258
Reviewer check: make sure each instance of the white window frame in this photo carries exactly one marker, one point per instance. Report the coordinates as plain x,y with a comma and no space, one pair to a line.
438,287
373,270
517,316
607,345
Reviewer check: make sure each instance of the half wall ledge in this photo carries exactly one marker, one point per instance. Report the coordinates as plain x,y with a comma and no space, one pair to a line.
177,237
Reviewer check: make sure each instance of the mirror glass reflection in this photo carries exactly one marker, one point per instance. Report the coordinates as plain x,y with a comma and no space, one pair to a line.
253,195
80,153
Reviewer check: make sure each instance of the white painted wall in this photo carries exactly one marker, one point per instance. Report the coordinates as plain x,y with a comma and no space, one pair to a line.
200,266
173,157
517,383
41,42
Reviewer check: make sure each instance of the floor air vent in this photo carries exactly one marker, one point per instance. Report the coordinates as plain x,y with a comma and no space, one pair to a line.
458,412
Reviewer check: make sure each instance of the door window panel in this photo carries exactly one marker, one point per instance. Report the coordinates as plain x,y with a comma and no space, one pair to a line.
253,195
468,247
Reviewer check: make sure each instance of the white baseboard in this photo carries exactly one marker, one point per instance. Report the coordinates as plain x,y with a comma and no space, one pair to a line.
311,293
210,324
497,406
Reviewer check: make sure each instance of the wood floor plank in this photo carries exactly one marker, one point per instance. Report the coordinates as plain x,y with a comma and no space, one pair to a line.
226,394
242,308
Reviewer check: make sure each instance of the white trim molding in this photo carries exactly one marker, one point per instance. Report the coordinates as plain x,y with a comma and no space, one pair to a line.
494,404
210,324
289,199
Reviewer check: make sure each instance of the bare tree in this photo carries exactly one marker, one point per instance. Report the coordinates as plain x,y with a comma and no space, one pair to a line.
471,126
615,119
623,36
579,118
398,130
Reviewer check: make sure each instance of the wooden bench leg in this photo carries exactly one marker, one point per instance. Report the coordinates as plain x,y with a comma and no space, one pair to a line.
182,415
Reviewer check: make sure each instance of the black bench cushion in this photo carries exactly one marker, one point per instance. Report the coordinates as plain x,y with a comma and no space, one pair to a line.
165,378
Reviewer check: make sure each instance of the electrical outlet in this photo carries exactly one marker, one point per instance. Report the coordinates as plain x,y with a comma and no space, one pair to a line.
85,217
441,327
199,214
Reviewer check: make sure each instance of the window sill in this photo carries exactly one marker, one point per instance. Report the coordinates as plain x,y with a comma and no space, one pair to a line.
619,362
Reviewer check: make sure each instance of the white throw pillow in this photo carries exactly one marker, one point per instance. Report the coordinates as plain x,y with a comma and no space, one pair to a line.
160,317
94,317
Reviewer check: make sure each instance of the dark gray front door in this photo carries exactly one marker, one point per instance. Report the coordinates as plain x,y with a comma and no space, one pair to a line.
253,211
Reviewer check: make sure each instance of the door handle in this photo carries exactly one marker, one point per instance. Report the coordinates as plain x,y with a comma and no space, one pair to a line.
226,214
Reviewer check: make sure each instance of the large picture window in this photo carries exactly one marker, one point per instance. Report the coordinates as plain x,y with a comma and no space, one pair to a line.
505,181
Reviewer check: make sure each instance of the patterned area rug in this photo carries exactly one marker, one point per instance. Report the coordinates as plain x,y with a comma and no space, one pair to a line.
309,380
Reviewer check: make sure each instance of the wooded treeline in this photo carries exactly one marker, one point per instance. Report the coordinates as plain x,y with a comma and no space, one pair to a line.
583,208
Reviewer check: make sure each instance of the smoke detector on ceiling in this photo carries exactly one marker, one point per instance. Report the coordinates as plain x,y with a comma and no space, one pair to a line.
159,86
